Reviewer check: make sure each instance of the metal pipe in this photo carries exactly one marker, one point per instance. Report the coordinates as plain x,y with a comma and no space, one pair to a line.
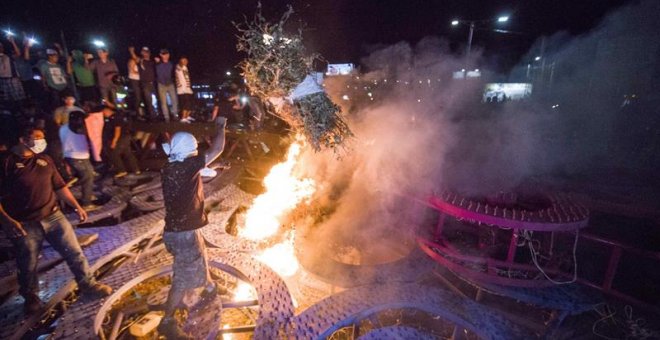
116,325
641,252
612,266
241,329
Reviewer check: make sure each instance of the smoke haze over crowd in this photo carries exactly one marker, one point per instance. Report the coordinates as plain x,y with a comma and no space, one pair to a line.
425,131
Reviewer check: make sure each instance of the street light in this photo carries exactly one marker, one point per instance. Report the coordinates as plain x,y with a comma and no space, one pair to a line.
473,25
537,58
228,73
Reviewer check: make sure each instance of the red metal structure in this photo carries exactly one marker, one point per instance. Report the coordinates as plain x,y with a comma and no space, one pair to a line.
548,214
557,213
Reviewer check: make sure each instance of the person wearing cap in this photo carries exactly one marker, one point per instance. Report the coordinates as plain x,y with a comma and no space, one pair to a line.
84,76
75,148
53,77
105,68
183,195
30,189
147,71
165,80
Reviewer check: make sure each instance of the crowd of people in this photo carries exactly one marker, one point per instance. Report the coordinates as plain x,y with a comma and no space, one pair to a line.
42,88
49,142
49,74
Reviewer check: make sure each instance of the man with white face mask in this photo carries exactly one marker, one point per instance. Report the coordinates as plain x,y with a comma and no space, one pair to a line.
184,215
29,213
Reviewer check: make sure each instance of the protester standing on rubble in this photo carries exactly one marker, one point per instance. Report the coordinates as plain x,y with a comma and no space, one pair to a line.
184,215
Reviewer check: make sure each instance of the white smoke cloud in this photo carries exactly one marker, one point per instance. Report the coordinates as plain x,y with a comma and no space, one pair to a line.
425,131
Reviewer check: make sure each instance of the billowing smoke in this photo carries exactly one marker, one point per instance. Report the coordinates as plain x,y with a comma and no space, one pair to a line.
424,131
402,137
594,108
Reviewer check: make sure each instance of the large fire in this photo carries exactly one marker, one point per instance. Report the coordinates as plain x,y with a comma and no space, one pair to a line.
284,191
281,257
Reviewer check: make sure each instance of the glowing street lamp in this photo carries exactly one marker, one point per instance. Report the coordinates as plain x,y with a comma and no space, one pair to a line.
537,58
228,73
473,25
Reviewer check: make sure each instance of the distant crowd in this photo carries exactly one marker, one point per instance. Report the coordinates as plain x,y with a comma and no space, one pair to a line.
97,80
80,103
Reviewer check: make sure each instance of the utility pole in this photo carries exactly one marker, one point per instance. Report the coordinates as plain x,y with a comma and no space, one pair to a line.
470,35
473,26
72,79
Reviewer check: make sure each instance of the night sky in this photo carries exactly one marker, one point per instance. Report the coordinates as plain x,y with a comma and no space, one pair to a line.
341,30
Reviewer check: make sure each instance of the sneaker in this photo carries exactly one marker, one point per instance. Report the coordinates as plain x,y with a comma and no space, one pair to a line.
97,290
32,304
121,174
134,175
71,182
171,329
208,172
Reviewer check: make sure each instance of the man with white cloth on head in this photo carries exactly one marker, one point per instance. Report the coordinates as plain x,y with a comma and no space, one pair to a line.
184,215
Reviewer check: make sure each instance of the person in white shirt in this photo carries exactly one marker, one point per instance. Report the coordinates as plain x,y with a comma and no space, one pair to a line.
75,148
184,89
134,81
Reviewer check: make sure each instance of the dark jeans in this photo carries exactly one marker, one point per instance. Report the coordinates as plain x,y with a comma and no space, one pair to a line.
57,230
55,98
54,150
109,94
148,90
85,172
122,152
137,96
163,92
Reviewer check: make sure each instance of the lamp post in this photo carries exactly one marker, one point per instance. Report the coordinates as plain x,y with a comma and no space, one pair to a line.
473,26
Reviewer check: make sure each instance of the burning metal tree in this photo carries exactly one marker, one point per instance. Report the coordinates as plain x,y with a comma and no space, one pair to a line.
278,70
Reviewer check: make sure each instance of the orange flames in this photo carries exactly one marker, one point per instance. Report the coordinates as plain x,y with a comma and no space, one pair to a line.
284,191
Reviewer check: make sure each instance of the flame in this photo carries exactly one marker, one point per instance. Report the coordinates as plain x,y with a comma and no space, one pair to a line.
283,193
244,292
226,336
281,257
